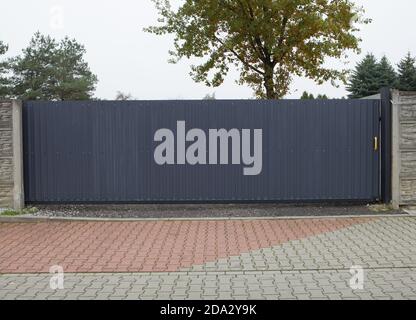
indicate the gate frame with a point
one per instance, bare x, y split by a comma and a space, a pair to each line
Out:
386, 145
383, 109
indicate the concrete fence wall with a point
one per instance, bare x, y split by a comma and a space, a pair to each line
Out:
11, 167
404, 148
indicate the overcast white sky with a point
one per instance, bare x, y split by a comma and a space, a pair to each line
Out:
127, 59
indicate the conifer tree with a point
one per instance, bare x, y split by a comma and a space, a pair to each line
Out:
4, 68
387, 74
407, 74
365, 78
52, 70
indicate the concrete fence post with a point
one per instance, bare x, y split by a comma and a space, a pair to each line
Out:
11, 155
18, 190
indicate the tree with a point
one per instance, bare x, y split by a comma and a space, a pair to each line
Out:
322, 97
364, 80
123, 96
269, 41
209, 96
4, 69
386, 73
51, 70
407, 74
307, 96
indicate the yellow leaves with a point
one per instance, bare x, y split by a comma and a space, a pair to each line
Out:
292, 36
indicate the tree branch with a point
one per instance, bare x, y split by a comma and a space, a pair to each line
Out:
282, 37
256, 45
238, 56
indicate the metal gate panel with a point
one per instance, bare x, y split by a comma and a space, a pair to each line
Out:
103, 151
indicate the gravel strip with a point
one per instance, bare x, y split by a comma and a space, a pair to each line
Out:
206, 210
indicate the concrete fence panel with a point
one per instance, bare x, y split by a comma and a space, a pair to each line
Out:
404, 148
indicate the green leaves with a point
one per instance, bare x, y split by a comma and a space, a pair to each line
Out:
268, 41
51, 70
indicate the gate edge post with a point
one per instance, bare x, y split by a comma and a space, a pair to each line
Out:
17, 138
386, 145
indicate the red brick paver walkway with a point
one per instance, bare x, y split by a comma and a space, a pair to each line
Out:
145, 246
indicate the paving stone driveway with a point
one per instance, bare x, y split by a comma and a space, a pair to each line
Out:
221, 259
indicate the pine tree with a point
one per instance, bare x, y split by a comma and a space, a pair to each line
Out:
4, 68
407, 74
51, 70
365, 78
305, 95
387, 74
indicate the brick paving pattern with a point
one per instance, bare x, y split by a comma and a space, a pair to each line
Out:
228, 259
144, 246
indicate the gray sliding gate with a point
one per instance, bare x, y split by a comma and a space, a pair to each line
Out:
175, 151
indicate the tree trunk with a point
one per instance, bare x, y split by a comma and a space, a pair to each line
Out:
269, 82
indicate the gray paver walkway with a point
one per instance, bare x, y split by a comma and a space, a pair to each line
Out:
390, 283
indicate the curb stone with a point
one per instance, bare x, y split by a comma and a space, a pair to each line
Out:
34, 219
